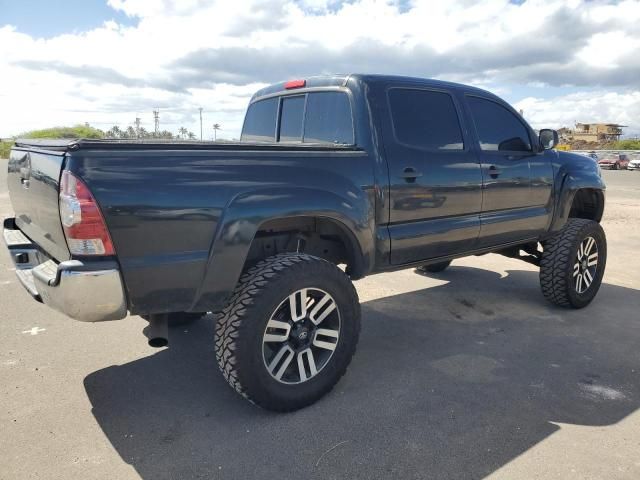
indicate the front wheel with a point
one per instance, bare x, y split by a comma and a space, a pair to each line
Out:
289, 331
573, 263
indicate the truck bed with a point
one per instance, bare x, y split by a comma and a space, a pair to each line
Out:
169, 206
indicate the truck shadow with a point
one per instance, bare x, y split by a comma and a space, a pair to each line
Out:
452, 381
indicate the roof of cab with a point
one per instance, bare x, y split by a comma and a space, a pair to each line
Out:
338, 80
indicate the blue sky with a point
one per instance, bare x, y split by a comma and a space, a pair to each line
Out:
45, 18
107, 62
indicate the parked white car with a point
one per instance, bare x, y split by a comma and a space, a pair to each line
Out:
634, 162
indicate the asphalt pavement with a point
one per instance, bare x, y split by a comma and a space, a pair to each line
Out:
465, 374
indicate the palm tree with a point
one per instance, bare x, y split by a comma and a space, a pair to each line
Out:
182, 132
191, 136
114, 132
131, 132
216, 127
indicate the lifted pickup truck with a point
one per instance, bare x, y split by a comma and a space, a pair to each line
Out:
334, 178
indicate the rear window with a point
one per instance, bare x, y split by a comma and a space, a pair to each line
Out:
260, 121
316, 117
328, 118
425, 119
291, 117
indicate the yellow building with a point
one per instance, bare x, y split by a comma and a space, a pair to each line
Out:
596, 132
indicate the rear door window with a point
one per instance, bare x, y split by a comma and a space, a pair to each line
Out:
425, 119
328, 118
498, 129
260, 121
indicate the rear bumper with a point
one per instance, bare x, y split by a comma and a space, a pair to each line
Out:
85, 291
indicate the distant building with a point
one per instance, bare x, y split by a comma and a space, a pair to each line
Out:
595, 132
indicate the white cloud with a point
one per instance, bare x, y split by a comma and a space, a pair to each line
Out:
183, 54
599, 106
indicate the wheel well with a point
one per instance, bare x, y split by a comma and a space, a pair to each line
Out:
587, 203
319, 236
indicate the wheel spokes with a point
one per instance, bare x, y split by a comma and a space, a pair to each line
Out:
585, 268
309, 366
322, 309
590, 242
282, 359
277, 331
298, 302
294, 348
328, 338
587, 278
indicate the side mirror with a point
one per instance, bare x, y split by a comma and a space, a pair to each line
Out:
548, 138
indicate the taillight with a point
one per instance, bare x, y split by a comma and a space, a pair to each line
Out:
294, 84
81, 219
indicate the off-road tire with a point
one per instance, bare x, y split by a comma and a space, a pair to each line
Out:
435, 267
558, 260
241, 325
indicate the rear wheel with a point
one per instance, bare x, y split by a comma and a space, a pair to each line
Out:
289, 331
435, 267
573, 263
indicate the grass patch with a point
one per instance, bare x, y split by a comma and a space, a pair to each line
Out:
79, 131
5, 149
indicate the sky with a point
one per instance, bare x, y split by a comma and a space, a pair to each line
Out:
107, 62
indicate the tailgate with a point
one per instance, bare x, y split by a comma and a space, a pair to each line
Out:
33, 180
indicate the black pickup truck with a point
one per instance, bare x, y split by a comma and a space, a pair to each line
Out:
335, 178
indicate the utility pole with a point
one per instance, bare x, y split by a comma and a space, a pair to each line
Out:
200, 123
156, 122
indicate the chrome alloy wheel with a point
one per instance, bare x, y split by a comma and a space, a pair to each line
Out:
586, 265
301, 336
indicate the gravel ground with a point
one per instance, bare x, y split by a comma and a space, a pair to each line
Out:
464, 374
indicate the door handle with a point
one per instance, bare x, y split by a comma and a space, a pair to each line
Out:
410, 174
494, 171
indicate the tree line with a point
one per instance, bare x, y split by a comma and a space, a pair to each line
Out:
132, 132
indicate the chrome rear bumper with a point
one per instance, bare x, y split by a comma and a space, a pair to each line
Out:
85, 291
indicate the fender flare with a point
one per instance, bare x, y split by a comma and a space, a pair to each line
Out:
570, 184
246, 212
